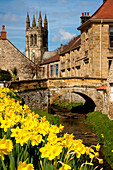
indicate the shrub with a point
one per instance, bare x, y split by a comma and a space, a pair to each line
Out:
5, 75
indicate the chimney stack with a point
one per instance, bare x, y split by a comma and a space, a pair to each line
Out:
3, 33
61, 47
85, 16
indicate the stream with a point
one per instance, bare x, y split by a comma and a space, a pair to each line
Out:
75, 123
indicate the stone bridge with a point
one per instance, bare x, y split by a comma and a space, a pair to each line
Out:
41, 93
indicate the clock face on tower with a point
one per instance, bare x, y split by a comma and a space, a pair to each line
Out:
33, 51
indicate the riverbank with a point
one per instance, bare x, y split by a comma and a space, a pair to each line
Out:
53, 119
65, 105
103, 127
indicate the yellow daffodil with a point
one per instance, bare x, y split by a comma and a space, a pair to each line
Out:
65, 167
25, 166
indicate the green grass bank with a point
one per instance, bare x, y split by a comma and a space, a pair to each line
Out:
103, 127
53, 119
66, 105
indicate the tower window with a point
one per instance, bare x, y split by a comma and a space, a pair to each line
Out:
31, 40
44, 40
35, 39
111, 36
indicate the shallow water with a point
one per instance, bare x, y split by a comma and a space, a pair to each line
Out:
75, 123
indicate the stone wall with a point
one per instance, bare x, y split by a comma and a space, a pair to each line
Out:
71, 98
36, 99
41, 94
109, 83
11, 57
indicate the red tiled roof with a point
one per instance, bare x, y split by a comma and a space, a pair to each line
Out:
74, 43
52, 59
105, 11
102, 87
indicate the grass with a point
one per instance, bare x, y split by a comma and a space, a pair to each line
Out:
53, 119
63, 104
103, 127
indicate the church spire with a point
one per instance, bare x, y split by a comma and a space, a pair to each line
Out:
27, 21
33, 23
45, 22
40, 20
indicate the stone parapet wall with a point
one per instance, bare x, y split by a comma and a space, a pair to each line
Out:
41, 94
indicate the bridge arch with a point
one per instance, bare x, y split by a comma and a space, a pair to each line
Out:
92, 98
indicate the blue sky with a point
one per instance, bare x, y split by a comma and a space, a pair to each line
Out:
63, 18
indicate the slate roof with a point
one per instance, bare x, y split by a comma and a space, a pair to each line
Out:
51, 59
105, 11
73, 44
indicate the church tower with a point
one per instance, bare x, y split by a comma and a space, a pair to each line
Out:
36, 39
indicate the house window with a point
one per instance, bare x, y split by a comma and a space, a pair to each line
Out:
111, 36
51, 70
56, 69
43, 71
111, 86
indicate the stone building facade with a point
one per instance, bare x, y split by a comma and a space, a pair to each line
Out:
51, 67
11, 57
36, 39
90, 54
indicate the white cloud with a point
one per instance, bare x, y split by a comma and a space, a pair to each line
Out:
62, 35
65, 36
8, 18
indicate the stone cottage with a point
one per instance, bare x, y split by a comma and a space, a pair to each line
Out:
11, 57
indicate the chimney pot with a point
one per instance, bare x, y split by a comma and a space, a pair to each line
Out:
61, 47
3, 27
87, 13
82, 14
3, 33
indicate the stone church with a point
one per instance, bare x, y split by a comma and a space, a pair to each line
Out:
36, 39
